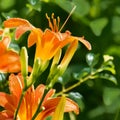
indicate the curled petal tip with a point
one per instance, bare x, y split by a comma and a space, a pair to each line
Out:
85, 42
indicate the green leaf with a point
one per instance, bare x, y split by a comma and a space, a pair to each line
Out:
34, 5
110, 95
14, 46
116, 25
82, 6
98, 25
108, 77
4, 82
77, 97
109, 66
3, 76
10, 14
84, 72
92, 59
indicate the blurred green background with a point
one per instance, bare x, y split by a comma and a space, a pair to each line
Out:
99, 22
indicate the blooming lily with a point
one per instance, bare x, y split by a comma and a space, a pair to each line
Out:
30, 101
49, 42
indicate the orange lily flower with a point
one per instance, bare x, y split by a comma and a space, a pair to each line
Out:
9, 59
48, 42
30, 101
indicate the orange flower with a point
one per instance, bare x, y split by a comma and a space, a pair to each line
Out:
30, 101
48, 42
9, 59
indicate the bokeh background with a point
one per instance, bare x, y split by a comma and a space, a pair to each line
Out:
99, 22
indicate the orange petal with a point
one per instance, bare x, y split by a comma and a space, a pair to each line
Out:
10, 62
6, 115
85, 42
7, 101
39, 93
21, 30
16, 84
51, 104
43, 114
69, 106
4, 44
33, 37
50, 93
16, 22
29, 100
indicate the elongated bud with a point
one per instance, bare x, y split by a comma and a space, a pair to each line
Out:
68, 56
59, 112
24, 61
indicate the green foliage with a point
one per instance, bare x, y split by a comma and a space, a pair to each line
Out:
98, 25
99, 22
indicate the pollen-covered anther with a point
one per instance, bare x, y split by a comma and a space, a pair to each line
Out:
54, 24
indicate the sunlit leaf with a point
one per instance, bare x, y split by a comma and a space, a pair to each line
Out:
92, 59
98, 25
109, 66
107, 58
108, 77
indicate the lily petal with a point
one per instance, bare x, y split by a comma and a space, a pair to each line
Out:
51, 104
7, 101
69, 106
49, 94
10, 62
16, 22
20, 31
39, 92
6, 115
33, 37
4, 44
16, 85
85, 42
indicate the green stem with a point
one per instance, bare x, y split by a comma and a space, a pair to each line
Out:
18, 107
39, 106
78, 83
